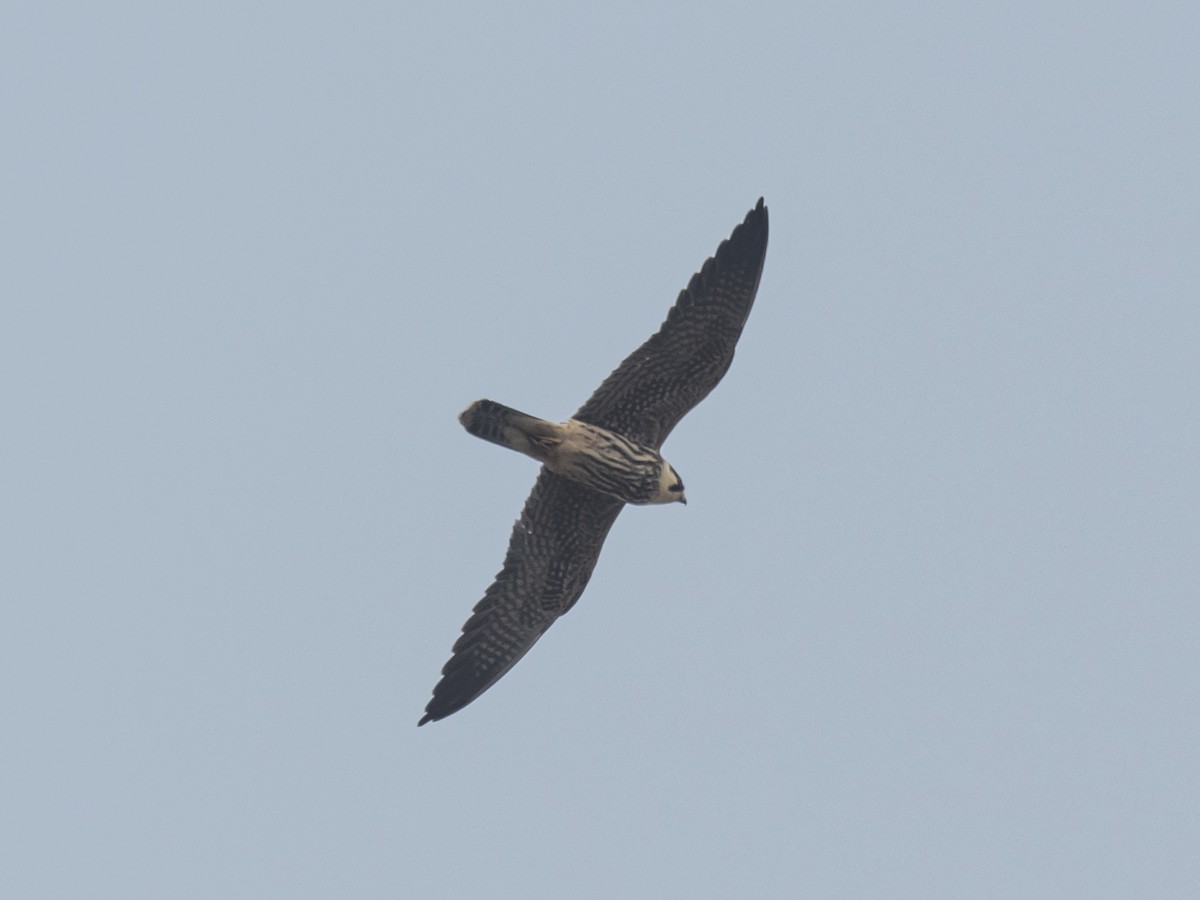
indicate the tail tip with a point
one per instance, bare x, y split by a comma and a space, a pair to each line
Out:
468, 413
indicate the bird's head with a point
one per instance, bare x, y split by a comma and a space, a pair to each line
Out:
670, 486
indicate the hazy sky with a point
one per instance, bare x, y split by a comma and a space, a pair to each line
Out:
929, 626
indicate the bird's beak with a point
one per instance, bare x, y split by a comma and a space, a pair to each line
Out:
683, 500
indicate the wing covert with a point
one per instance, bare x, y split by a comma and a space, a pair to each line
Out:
645, 397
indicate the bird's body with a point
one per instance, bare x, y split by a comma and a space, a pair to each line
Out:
603, 457
587, 454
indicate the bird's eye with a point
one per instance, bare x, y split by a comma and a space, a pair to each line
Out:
676, 487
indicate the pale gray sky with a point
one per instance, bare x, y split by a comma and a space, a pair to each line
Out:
929, 625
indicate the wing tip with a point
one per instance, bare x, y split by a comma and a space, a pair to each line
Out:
439, 707
446, 700
758, 213
747, 245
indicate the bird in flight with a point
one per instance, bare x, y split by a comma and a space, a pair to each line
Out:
603, 457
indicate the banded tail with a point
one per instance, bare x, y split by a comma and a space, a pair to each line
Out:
510, 428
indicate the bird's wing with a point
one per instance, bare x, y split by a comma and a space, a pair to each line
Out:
551, 554
656, 385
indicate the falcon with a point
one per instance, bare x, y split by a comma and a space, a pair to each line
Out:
603, 457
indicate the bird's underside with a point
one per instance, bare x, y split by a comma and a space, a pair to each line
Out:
586, 454
557, 539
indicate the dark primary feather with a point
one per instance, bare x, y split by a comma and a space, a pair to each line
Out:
551, 554
646, 396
